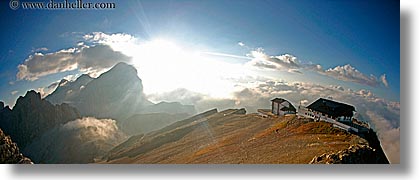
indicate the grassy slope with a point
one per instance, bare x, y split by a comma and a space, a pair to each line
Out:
236, 138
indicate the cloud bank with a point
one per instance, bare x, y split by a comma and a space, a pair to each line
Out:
78, 141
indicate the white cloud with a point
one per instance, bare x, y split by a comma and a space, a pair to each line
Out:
383, 80
45, 91
114, 40
285, 62
241, 44
40, 49
349, 73
290, 63
14, 92
80, 44
91, 59
78, 141
389, 134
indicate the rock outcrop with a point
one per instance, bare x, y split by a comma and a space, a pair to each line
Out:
32, 116
355, 154
9, 151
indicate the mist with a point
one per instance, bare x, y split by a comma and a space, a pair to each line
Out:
78, 141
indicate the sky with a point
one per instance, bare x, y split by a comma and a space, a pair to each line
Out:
217, 53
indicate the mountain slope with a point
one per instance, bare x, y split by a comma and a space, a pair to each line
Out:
233, 137
144, 123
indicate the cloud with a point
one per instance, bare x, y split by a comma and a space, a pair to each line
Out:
285, 62
241, 44
383, 80
178, 95
109, 39
45, 91
389, 134
78, 141
89, 59
40, 64
14, 92
349, 73
40, 49
202, 102
99, 57
290, 63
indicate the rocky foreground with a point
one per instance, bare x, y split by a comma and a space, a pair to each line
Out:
9, 152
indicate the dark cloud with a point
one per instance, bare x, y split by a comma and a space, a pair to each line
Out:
99, 57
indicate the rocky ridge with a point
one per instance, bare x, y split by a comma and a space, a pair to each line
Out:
32, 116
9, 151
355, 154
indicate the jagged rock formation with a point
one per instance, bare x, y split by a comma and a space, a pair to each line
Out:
355, 154
32, 116
9, 151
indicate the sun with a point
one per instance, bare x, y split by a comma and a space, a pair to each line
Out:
165, 65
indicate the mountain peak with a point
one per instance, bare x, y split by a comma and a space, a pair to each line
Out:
63, 82
123, 67
32, 95
84, 76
